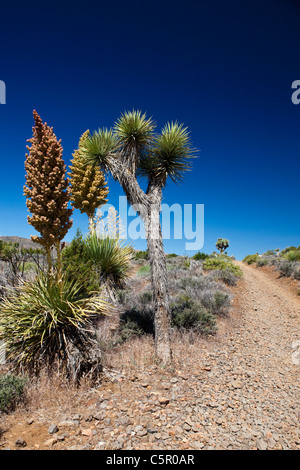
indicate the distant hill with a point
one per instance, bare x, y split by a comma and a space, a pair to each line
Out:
23, 242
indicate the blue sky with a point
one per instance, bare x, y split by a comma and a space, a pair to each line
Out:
224, 69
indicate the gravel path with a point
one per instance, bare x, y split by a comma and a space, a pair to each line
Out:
237, 391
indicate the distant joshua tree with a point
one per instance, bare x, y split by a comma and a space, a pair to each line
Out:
132, 149
222, 244
47, 190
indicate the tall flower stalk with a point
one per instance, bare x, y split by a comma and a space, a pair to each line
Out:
87, 183
46, 190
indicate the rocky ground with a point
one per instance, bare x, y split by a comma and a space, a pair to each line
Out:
237, 390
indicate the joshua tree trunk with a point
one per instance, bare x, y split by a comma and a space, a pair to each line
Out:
160, 290
148, 205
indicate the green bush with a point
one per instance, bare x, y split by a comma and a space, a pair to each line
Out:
141, 255
262, 262
191, 315
251, 259
200, 256
144, 270
11, 389
225, 276
171, 255
222, 265
287, 249
292, 255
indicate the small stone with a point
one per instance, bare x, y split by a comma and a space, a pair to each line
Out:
20, 442
236, 384
77, 447
198, 445
151, 430
52, 429
163, 400
134, 378
68, 423
87, 432
117, 445
262, 445
76, 417
51, 441
100, 445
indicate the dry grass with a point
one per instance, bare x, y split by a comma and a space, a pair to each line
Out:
139, 353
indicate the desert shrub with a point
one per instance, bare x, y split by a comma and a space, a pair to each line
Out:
271, 252
296, 272
287, 249
11, 390
292, 255
141, 255
144, 270
146, 297
47, 320
200, 256
225, 276
138, 314
286, 268
262, 262
189, 314
222, 265
136, 322
217, 302
205, 290
171, 255
251, 259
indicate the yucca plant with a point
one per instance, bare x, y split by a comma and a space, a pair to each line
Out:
110, 256
49, 320
134, 151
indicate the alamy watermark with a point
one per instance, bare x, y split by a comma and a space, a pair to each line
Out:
178, 222
296, 94
2, 92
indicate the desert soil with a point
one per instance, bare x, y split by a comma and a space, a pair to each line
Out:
236, 390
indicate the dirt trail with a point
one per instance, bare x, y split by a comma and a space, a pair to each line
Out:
238, 390
271, 319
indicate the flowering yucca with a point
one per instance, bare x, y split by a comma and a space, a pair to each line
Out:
47, 188
88, 186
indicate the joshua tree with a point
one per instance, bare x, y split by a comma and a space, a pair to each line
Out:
222, 244
131, 150
47, 189
88, 186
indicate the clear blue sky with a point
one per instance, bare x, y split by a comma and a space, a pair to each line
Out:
224, 69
